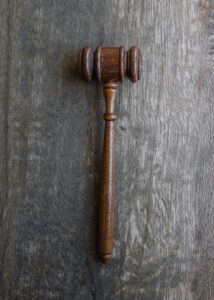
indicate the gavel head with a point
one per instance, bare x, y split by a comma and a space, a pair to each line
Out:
110, 64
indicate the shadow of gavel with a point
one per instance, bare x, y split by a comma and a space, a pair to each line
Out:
110, 66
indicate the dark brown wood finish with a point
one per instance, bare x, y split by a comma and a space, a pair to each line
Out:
109, 65
107, 201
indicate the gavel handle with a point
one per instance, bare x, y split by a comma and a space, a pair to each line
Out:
107, 200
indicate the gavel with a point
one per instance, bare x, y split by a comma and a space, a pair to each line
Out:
110, 66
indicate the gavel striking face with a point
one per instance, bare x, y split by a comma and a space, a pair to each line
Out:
110, 66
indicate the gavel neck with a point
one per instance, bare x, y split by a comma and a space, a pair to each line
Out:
110, 93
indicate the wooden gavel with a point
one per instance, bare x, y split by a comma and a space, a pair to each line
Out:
110, 66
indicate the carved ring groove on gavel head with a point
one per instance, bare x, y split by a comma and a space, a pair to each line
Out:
110, 66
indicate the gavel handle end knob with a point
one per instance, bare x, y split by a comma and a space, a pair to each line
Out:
105, 258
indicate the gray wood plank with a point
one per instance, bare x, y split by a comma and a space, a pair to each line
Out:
51, 148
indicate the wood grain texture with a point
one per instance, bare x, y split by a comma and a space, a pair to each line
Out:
110, 66
51, 149
107, 196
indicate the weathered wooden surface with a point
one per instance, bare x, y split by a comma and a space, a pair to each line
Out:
50, 151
